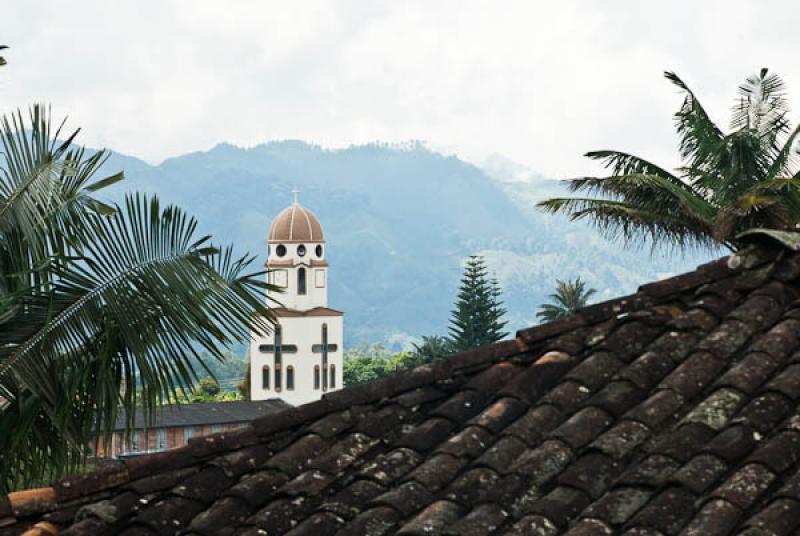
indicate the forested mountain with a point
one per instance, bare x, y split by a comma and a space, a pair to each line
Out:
399, 221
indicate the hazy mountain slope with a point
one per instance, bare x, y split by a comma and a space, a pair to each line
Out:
565, 249
399, 221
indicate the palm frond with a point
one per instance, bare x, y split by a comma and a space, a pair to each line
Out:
762, 106
621, 221
44, 192
782, 163
699, 135
620, 163
568, 298
650, 192
122, 325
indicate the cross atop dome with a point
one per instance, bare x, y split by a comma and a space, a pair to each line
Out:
295, 192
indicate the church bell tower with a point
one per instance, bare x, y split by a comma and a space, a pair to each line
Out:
302, 359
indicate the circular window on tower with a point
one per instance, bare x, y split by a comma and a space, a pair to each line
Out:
301, 250
319, 251
280, 251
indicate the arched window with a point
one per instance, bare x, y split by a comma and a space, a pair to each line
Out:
265, 377
332, 383
290, 378
316, 377
301, 281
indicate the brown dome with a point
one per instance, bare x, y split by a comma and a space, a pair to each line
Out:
296, 224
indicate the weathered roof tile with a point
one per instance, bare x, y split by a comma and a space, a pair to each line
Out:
407, 498
700, 473
745, 486
484, 519
500, 414
717, 517
618, 505
596, 370
668, 512
434, 519
781, 517
694, 374
592, 473
583, 427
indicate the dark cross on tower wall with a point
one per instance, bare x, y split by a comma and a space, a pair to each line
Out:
323, 349
278, 349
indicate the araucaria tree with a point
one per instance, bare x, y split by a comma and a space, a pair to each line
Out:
478, 314
568, 298
729, 181
102, 307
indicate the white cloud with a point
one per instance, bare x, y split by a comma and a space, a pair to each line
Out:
539, 82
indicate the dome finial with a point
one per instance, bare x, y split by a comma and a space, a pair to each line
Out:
295, 191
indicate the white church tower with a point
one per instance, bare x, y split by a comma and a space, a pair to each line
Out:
302, 359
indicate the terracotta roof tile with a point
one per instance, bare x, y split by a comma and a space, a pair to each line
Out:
744, 486
699, 473
670, 411
618, 505
780, 517
716, 518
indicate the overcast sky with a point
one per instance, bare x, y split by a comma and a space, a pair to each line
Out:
539, 82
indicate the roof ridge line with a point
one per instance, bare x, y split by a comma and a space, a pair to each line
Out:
291, 223
646, 295
28, 502
308, 221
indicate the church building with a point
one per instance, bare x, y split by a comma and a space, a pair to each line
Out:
302, 358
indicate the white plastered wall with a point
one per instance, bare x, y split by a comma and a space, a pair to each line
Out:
316, 294
303, 332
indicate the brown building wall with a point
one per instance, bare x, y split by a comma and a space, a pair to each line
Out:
175, 436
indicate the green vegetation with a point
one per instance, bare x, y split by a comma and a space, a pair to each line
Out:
243, 387
228, 371
477, 318
569, 297
209, 390
366, 363
102, 307
433, 347
728, 183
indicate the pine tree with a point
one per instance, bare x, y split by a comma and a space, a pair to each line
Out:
477, 318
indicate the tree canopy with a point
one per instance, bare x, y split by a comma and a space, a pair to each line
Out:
568, 298
729, 182
477, 317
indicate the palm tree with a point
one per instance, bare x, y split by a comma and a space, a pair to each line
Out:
729, 182
102, 307
568, 298
432, 348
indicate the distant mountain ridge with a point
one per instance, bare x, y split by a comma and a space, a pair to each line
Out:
399, 220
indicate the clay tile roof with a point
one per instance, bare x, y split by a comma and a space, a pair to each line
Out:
670, 411
295, 224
